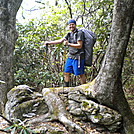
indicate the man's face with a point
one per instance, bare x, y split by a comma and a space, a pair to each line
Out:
72, 26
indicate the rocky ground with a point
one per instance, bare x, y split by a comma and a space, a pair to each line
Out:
3, 124
89, 127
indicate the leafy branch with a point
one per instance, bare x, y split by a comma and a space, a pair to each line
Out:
16, 126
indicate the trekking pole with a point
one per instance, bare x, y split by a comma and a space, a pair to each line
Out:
63, 71
46, 53
46, 67
63, 66
46, 48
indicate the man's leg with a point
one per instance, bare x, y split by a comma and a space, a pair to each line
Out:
82, 79
66, 79
80, 71
68, 69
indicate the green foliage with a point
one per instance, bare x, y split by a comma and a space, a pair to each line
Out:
17, 127
128, 68
20, 129
39, 68
33, 65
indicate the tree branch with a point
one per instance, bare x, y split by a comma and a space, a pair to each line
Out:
69, 7
11, 123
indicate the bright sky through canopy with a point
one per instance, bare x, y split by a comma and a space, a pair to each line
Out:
29, 9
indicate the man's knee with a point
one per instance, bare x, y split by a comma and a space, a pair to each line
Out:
66, 74
66, 79
82, 76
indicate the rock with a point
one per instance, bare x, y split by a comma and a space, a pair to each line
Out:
103, 115
87, 109
24, 103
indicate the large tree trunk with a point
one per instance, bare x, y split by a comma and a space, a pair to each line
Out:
8, 36
108, 85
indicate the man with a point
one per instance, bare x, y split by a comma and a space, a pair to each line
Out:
75, 61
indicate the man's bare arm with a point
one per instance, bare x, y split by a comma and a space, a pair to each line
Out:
77, 45
54, 42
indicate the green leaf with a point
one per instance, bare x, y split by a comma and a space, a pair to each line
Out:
30, 130
13, 131
10, 127
21, 132
26, 132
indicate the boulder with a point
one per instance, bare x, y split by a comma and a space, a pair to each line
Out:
24, 103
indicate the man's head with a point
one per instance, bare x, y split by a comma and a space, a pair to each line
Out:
72, 24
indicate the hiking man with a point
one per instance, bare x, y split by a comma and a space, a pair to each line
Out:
75, 61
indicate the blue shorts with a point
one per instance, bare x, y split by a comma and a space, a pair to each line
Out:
71, 66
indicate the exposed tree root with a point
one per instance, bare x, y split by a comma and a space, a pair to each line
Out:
57, 112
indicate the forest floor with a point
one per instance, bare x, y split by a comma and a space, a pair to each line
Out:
90, 128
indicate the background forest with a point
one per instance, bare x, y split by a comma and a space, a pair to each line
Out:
37, 66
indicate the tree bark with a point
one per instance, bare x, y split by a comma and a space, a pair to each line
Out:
8, 36
108, 84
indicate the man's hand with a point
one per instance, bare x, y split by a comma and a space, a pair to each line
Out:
46, 43
66, 42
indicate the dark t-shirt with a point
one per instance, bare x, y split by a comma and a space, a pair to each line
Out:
73, 38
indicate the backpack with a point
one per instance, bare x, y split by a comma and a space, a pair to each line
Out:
89, 41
